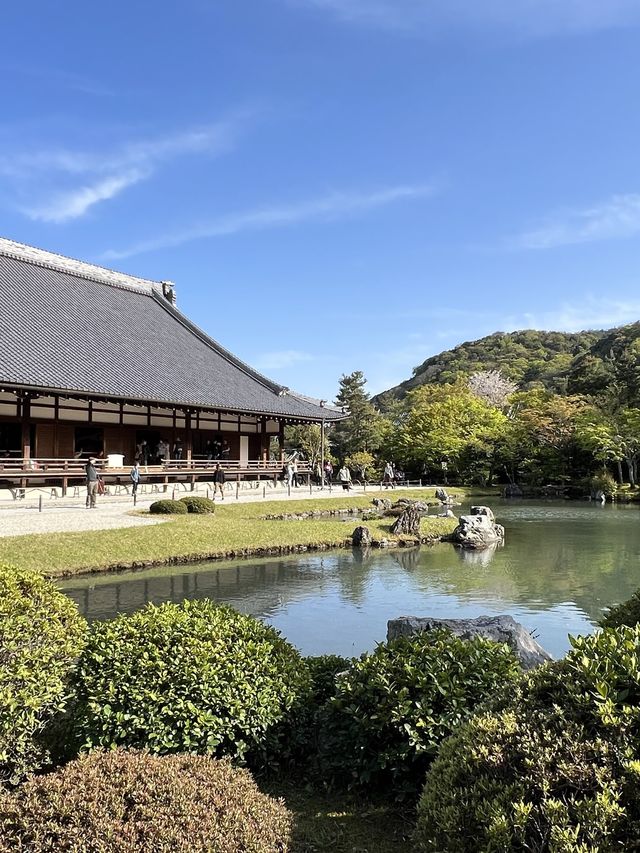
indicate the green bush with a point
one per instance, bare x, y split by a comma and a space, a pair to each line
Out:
120, 802
167, 507
41, 634
189, 677
295, 742
392, 708
603, 482
627, 613
200, 506
556, 768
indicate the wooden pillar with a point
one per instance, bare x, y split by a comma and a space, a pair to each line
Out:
26, 426
264, 441
188, 439
281, 440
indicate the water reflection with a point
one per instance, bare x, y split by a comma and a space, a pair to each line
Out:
561, 565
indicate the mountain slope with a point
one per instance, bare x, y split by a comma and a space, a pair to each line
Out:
529, 358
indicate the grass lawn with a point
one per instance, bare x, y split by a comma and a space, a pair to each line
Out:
234, 531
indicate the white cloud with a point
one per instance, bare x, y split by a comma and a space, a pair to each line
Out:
337, 205
524, 17
590, 313
76, 203
280, 360
615, 218
104, 174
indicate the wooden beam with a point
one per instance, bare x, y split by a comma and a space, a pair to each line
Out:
25, 409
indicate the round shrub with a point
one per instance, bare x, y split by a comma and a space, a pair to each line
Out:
41, 634
189, 677
556, 768
627, 613
392, 708
168, 508
200, 506
122, 802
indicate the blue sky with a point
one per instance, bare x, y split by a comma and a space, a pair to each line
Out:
335, 184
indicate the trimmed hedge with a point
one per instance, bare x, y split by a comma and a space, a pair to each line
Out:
41, 635
167, 507
556, 768
120, 802
190, 677
627, 613
200, 506
392, 708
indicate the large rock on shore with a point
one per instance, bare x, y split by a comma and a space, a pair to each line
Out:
500, 629
477, 530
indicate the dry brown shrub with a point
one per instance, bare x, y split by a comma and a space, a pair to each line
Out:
121, 802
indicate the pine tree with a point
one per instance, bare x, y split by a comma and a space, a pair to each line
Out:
361, 431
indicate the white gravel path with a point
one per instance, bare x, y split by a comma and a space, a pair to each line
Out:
19, 518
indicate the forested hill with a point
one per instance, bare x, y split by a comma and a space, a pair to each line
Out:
529, 358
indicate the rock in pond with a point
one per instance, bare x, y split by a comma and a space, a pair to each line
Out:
477, 530
408, 522
500, 629
361, 537
381, 503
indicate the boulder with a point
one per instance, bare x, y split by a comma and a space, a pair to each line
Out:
500, 629
408, 522
403, 503
442, 495
361, 537
477, 530
512, 490
381, 503
483, 510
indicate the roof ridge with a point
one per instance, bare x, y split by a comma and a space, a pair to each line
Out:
63, 263
276, 387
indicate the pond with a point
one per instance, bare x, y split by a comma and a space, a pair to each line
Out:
562, 564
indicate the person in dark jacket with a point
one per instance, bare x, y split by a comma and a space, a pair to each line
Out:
218, 481
135, 477
91, 479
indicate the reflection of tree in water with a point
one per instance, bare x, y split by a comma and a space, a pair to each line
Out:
477, 556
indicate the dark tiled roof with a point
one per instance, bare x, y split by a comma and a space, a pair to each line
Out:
70, 326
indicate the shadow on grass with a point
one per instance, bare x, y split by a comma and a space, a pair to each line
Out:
344, 823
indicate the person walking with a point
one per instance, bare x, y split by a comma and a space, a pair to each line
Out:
344, 477
389, 476
177, 449
294, 477
218, 481
91, 480
328, 472
135, 477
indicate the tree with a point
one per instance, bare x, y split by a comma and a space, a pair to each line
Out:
308, 439
361, 462
492, 387
448, 423
361, 430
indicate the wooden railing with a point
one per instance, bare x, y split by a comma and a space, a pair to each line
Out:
18, 474
41, 466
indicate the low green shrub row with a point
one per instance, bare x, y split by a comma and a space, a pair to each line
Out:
190, 503
168, 507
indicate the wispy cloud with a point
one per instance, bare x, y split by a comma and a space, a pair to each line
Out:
76, 180
616, 218
76, 203
591, 313
281, 359
524, 17
337, 205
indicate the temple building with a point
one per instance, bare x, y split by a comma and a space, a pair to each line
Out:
96, 362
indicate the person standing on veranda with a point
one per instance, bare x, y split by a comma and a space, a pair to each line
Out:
91, 480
